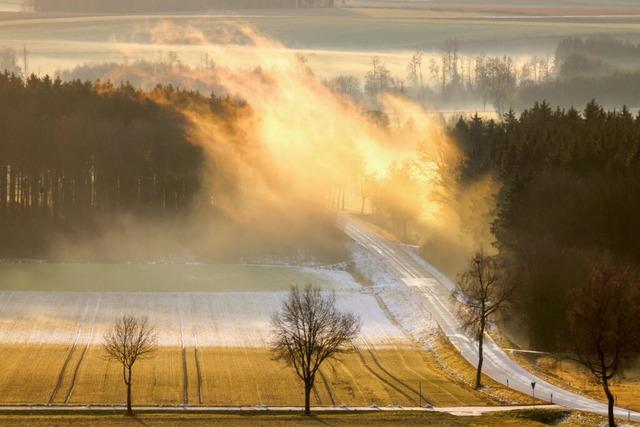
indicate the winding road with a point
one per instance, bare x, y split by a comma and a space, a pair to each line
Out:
434, 291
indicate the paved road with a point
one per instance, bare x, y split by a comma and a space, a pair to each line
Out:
434, 290
72, 409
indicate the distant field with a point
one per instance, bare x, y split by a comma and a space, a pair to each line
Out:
161, 277
335, 40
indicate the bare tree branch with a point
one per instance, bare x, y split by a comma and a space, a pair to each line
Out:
129, 340
482, 293
309, 329
603, 319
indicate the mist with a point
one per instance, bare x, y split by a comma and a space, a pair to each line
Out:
276, 159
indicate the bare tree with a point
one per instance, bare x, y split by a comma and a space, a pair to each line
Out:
603, 320
310, 329
496, 81
414, 71
368, 185
129, 340
483, 293
9, 60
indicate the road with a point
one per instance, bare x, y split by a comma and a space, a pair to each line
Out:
433, 289
470, 411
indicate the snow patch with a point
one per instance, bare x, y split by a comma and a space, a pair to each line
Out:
401, 302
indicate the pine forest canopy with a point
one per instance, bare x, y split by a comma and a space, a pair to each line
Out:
570, 190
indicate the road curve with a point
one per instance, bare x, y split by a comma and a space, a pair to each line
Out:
433, 289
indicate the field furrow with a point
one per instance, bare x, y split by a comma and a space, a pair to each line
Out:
213, 347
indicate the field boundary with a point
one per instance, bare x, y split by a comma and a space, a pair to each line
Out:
114, 409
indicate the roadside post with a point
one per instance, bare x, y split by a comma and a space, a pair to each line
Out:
533, 391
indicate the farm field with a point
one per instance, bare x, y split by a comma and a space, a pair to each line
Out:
158, 277
57, 374
344, 43
213, 342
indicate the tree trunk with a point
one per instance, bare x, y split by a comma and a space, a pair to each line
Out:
610, 400
307, 399
129, 409
480, 357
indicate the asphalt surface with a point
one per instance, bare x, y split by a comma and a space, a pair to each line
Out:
105, 410
433, 289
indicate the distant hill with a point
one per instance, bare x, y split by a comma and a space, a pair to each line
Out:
154, 6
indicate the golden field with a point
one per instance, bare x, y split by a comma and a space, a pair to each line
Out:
215, 376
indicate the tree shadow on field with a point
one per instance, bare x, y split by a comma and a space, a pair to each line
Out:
138, 420
316, 418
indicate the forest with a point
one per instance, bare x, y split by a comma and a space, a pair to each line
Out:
71, 152
570, 191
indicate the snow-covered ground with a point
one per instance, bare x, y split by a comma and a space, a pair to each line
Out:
217, 318
396, 263
394, 296
234, 310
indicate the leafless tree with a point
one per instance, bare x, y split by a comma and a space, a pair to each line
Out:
9, 60
310, 329
129, 340
368, 185
603, 323
482, 292
414, 71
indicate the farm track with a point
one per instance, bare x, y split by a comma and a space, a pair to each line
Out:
353, 379
185, 377
376, 360
75, 374
61, 374
185, 370
327, 386
74, 377
316, 395
72, 350
381, 378
427, 381
198, 370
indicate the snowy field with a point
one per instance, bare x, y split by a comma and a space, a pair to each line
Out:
197, 305
218, 318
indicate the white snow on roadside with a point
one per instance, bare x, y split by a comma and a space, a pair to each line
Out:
441, 278
402, 304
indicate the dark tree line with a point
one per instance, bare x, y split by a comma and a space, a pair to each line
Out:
599, 66
571, 188
604, 48
72, 151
